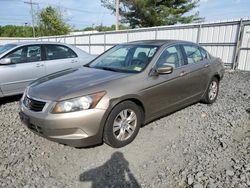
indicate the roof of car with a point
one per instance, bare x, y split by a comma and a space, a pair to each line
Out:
34, 42
139, 42
156, 42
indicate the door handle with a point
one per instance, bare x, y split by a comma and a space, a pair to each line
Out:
183, 73
74, 61
39, 65
207, 65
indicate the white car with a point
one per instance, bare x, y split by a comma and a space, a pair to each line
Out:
24, 62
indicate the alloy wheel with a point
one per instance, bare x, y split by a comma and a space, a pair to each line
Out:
124, 124
213, 90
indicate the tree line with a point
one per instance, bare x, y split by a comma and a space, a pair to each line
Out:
133, 13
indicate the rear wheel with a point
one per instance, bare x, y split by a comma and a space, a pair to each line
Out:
212, 91
122, 125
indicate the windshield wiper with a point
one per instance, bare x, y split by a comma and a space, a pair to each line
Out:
115, 69
108, 69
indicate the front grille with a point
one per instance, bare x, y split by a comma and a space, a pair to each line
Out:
33, 105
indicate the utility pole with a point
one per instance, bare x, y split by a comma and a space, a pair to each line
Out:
117, 15
32, 15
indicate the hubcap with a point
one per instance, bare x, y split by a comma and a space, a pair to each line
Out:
213, 90
124, 124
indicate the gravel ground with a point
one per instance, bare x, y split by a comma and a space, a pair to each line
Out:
199, 146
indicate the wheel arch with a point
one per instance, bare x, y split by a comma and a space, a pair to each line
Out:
114, 102
217, 76
134, 98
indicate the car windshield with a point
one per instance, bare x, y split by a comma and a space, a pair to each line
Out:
126, 58
6, 47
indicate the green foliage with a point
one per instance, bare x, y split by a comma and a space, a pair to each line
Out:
149, 13
102, 28
88, 29
109, 28
15, 31
51, 22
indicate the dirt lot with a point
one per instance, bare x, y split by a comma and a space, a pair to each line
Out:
199, 146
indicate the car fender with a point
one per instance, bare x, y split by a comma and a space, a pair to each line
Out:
113, 103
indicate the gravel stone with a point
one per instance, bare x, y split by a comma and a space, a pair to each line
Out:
198, 185
230, 172
198, 146
190, 180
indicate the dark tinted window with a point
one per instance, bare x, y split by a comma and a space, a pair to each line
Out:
171, 56
193, 54
58, 52
25, 54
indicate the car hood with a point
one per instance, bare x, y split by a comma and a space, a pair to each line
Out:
72, 83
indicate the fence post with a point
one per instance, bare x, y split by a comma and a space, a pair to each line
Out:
127, 36
104, 40
198, 34
238, 44
156, 33
89, 43
74, 40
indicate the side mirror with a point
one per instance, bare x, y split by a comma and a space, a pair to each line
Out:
165, 69
5, 61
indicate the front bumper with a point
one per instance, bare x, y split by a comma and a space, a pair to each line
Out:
77, 129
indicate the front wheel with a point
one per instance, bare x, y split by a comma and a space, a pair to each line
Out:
212, 91
123, 124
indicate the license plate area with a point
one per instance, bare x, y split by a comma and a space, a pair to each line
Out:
26, 120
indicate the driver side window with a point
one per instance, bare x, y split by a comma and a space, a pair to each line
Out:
171, 56
25, 54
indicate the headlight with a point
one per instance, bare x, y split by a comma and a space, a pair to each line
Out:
77, 104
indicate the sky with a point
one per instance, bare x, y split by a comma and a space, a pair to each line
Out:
84, 13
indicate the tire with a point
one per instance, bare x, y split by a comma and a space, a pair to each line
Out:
120, 129
211, 92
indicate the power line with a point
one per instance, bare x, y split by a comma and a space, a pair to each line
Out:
74, 9
32, 15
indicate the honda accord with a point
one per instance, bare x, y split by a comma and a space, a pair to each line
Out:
129, 85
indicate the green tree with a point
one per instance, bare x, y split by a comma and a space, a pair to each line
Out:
102, 28
15, 31
149, 13
51, 22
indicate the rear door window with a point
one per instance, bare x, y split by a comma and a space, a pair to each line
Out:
193, 54
53, 52
204, 53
